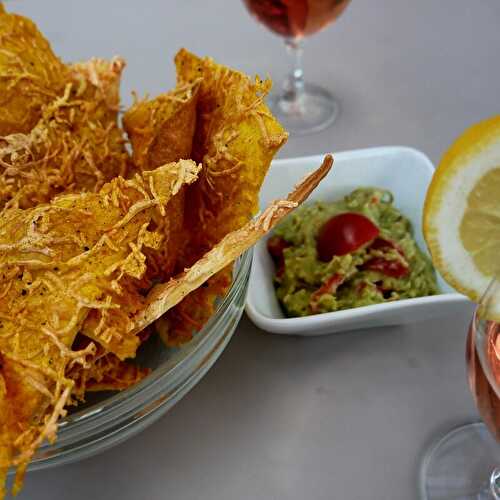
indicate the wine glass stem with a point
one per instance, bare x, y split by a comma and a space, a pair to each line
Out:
495, 484
294, 84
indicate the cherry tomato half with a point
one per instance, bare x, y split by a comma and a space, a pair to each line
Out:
343, 234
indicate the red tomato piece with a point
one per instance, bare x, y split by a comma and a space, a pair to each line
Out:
329, 286
275, 246
392, 268
343, 234
382, 243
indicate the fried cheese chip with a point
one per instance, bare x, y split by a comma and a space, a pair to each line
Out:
161, 130
79, 144
112, 374
31, 75
165, 296
106, 326
236, 138
75, 146
106, 372
65, 267
5, 435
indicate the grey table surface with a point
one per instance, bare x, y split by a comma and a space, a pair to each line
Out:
338, 417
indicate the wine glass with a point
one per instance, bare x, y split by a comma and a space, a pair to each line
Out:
466, 462
301, 107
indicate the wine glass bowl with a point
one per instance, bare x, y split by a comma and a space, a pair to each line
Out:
301, 107
296, 19
466, 462
486, 326
483, 360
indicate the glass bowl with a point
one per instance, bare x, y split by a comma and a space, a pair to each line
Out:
118, 416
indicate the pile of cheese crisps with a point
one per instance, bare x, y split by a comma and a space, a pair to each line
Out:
97, 243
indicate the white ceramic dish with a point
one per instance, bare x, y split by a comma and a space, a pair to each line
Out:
404, 171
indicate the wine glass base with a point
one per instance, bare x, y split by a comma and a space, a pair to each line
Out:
460, 464
315, 110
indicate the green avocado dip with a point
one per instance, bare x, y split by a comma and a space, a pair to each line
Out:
350, 253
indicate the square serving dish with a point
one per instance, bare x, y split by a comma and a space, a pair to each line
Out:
406, 172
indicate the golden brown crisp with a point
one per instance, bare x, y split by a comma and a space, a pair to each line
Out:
106, 372
31, 75
161, 130
65, 267
75, 146
236, 138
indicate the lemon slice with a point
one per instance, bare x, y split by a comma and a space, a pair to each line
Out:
462, 211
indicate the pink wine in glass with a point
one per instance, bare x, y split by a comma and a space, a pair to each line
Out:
487, 400
296, 18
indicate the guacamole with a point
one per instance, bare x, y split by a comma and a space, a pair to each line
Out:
316, 272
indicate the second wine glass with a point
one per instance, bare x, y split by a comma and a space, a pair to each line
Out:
301, 107
465, 464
